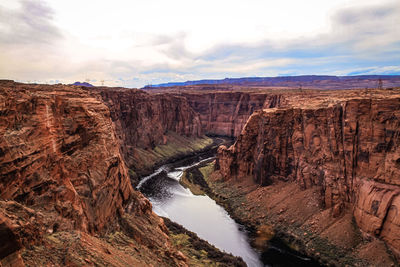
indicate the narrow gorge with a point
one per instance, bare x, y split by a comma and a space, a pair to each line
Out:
314, 170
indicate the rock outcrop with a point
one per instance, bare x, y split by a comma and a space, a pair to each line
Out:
19, 227
349, 147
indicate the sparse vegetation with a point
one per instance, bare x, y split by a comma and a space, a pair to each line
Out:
195, 178
186, 181
200, 252
207, 170
177, 146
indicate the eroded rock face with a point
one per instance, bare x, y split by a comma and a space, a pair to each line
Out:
349, 148
143, 120
376, 211
64, 182
59, 151
225, 113
19, 227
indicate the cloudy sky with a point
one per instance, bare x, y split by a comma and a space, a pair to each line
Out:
134, 43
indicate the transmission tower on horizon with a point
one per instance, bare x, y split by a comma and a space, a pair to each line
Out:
380, 83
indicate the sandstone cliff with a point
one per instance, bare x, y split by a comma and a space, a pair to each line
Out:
143, 122
64, 183
347, 147
225, 113
58, 145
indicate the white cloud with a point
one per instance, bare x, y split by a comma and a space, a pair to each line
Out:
159, 40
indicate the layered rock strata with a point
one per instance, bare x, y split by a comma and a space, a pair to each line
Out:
58, 146
63, 178
349, 148
225, 113
144, 122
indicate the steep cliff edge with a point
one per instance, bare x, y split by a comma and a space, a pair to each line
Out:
343, 150
58, 145
146, 124
65, 195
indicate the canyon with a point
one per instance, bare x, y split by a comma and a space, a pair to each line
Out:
65, 189
317, 169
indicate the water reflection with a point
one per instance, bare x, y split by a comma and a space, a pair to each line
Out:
199, 214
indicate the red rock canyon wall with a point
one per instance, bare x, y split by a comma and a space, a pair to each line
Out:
58, 146
225, 113
143, 120
350, 148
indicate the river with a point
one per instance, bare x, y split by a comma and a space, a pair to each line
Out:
199, 214
211, 222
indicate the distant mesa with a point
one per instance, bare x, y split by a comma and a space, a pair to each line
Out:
83, 84
306, 81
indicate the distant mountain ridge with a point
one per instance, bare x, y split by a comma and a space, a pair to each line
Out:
83, 84
286, 80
